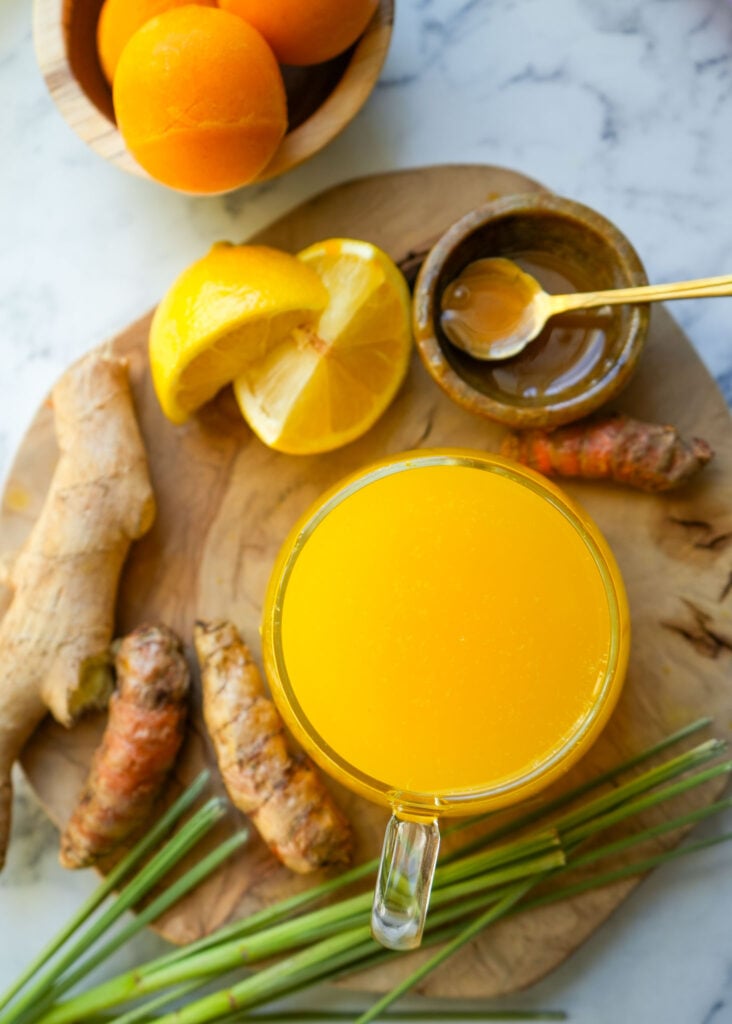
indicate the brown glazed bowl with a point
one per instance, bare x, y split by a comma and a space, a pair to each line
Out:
321, 99
579, 245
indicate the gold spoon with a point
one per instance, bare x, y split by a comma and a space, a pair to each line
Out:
518, 308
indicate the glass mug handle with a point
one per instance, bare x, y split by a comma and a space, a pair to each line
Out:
404, 883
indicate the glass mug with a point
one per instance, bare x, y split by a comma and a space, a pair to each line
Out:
445, 633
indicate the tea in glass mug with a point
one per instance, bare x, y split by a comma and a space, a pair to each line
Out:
445, 633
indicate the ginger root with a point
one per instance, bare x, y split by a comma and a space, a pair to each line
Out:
649, 456
56, 632
147, 717
282, 793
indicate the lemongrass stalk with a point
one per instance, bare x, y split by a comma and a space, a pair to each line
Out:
323, 923
242, 995
508, 853
314, 1016
193, 877
634, 807
286, 908
268, 982
494, 913
316, 925
565, 799
142, 1013
499, 878
640, 867
269, 916
679, 765
118, 873
159, 865
287, 935
342, 915
511, 901
621, 845
479, 902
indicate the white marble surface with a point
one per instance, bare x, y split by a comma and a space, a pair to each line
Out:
623, 104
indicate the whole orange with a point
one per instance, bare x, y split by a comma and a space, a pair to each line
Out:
199, 100
305, 31
120, 19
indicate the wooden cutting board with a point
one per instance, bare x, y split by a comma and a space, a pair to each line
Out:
226, 502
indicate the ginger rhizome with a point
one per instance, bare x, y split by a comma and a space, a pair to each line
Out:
56, 632
649, 456
281, 792
146, 726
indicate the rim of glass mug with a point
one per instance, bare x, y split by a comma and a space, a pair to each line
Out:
427, 806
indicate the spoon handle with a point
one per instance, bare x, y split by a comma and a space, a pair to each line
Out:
704, 287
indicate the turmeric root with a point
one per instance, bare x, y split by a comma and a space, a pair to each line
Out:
281, 793
648, 456
56, 631
147, 715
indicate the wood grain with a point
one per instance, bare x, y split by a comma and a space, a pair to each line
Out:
226, 503
321, 99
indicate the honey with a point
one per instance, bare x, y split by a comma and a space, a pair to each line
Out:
565, 357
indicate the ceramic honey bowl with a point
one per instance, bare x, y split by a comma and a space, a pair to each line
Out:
581, 360
322, 98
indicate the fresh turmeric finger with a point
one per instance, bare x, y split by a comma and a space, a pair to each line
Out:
649, 456
282, 793
147, 715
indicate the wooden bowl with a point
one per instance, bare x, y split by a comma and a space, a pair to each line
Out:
322, 99
570, 240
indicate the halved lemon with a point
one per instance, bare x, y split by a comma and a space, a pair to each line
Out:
224, 312
327, 382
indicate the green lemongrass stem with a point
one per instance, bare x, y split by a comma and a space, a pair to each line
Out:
157, 867
269, 916
119, 872
312, 926
279, 939
497, 879
685, 762
142, 1013
307, 1016
508, 853
621, 845
193, 877
565, 799
494, 913
287, 908
313, 961
308, 965
618, 874
504, 854
316, 925
508, 905
512, 900
479, 902
632, 808
377, 956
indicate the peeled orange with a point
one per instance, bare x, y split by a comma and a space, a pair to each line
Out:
199, 99
305, 31
120, 19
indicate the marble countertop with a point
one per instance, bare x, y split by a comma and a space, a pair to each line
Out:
626, 106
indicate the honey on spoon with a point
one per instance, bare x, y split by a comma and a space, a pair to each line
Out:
494, 309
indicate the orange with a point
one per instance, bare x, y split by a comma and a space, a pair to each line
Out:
120, 19
305, 31
199, 100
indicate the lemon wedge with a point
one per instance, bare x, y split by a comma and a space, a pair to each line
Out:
325, 383
226, 311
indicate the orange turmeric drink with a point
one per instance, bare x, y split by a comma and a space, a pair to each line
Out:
446, 632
